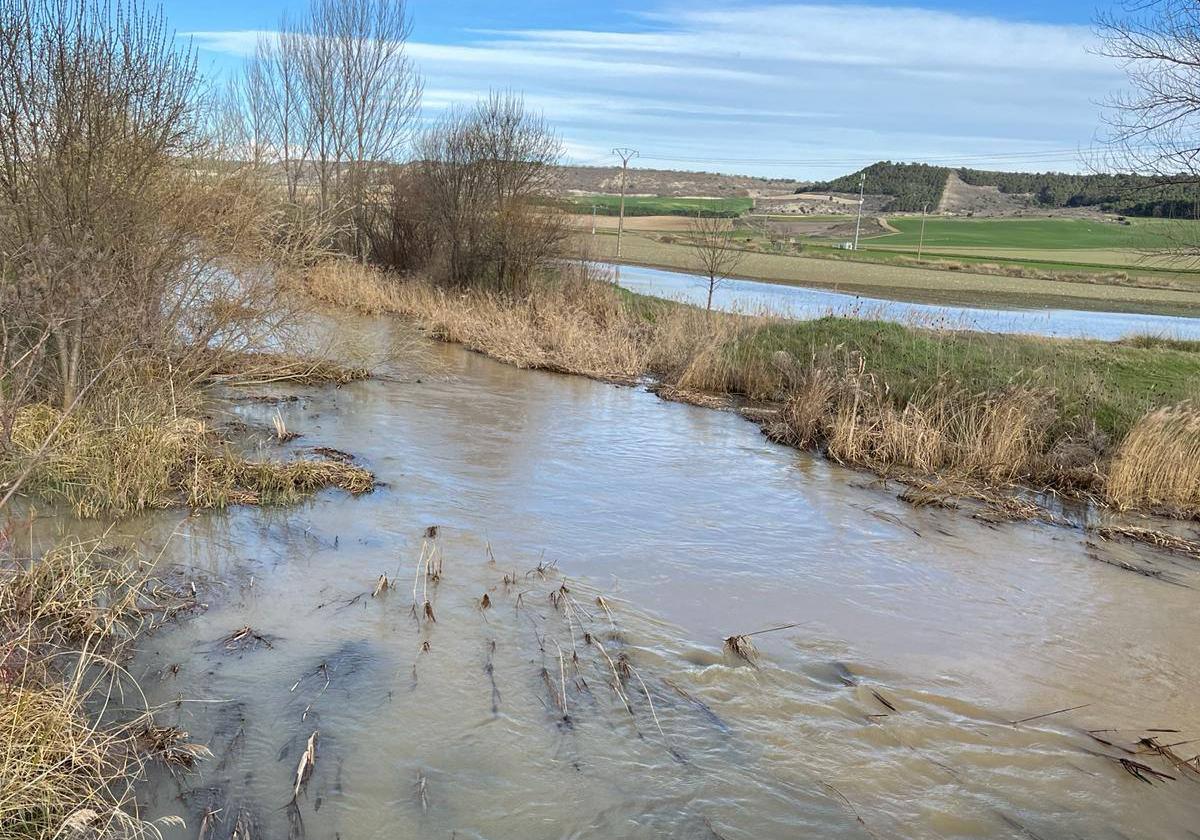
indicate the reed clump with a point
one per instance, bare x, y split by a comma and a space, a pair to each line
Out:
130, 462
1157, 465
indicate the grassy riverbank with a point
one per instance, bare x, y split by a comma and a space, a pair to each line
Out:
1064, 415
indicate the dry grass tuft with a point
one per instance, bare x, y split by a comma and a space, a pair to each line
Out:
1158, 463
149, 462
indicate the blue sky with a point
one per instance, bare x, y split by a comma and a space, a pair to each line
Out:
791, 89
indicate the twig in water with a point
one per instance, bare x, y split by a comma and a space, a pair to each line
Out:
1049, 714
422, 787
743, 648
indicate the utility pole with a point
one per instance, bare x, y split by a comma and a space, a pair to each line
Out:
625, 155
593, 221
862, 186
921, 246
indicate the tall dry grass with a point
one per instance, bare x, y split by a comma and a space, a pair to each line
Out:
65, 619
998, 438
1158, 463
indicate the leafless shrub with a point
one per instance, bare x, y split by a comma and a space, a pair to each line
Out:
117, 225
478, 190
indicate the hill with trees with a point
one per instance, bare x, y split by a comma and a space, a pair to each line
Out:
911, 186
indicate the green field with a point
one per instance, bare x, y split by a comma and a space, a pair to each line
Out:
1037, 234
639, 205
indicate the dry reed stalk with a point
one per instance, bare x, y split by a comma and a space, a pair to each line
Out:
381, 585
308, 761
742, 644
281, 430
616, 681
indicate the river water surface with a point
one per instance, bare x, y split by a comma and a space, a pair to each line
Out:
887, 713
751, 296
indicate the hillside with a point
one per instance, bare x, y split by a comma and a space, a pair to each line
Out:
911, 186
664, 182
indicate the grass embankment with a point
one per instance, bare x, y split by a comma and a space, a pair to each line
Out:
1075, 416
957, 284
66, 620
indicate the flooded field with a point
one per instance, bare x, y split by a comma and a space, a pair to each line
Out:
752, 296
594, 547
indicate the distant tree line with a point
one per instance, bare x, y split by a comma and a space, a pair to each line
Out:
911, 186
1133, 195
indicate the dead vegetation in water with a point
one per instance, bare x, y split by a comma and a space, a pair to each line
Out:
741, 645
272, 368
1157, 539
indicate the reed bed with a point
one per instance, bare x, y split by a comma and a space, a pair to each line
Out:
1083, 417
132, 462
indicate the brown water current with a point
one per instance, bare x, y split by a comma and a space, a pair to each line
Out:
887, 713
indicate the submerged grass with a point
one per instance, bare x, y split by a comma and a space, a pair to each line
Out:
1072, 415
135, 462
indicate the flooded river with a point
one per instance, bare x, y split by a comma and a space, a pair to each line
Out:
801, 302
886, 713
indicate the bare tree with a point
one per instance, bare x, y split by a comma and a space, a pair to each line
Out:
1153, 129
115, 219
335, 94
713, 251
483, 178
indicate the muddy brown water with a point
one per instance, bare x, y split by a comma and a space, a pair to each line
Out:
887, 713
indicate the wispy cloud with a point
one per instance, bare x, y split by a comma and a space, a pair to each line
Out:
796, 89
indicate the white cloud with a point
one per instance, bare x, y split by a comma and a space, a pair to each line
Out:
799, 89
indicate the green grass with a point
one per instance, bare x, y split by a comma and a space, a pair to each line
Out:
609, 205
1113, 384
1039, 234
